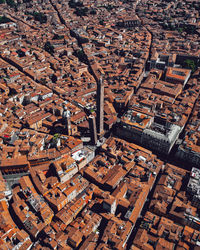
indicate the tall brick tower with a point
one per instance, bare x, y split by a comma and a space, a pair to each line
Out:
100, 106
67, 118
93, 130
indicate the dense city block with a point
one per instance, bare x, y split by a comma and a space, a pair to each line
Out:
100, 124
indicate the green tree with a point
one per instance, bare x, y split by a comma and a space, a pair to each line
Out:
180, 30
190, 64
56, 136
